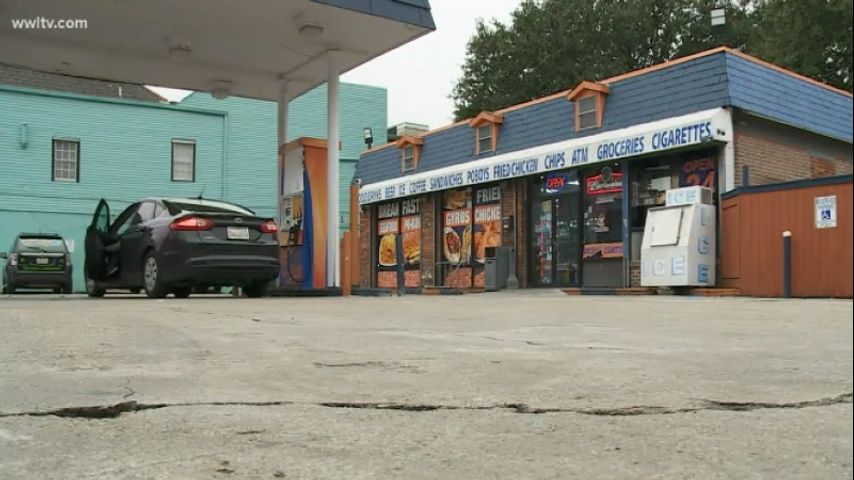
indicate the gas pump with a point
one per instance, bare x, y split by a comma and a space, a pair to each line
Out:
302, 214
291, 222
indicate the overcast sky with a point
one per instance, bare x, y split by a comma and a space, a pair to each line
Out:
419, 75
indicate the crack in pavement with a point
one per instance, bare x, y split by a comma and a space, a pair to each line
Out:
131, 391
115, 410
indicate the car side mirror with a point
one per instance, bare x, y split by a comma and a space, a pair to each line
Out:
3, 255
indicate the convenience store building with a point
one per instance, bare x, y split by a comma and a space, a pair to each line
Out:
567, 179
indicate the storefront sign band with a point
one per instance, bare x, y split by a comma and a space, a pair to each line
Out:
662, 135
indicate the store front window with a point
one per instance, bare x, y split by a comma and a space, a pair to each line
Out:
555, 234
487, 228
399, 219
471, 222
602, 253
388, 227
649, 184
651, 179
410, 228
455, 238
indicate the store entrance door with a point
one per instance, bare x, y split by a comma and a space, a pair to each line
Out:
555, 231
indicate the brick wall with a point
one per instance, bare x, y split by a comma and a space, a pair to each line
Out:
508, 189
635, 274
777, 153
769, 161
512, 194
365, 256
522, 221
388, 279
428, 240
820, 167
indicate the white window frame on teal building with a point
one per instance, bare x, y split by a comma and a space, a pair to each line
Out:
65, 162
183, 174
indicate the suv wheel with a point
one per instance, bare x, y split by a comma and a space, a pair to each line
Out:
152, 277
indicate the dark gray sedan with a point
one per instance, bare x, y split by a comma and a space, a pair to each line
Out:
165, 246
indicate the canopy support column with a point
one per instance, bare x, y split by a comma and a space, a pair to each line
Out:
282, 139
333, 274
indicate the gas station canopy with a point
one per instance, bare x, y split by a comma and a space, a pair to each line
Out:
228, 47
264, 49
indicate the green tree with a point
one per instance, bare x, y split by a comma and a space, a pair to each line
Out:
551, 45
812, 37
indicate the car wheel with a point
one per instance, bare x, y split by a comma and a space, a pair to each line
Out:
66, 289
152, 278
182, 292
93, 288
57, 290
256, 290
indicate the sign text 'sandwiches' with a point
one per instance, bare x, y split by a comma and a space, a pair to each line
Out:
653, 137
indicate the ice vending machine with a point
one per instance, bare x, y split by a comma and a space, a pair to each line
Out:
678, 248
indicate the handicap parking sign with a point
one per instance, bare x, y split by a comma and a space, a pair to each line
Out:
825, 212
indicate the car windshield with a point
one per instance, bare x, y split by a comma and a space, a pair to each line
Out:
208, 207
41, 245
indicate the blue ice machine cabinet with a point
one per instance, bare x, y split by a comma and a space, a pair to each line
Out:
678, 248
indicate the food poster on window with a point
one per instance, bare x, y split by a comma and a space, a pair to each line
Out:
456, 226
410, 228
388, 223
487, 221
456, 236
487, 228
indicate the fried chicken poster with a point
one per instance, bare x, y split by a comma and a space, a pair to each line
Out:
487, 222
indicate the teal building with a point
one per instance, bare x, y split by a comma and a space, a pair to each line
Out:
66, 142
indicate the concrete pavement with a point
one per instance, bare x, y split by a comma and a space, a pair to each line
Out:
530, 384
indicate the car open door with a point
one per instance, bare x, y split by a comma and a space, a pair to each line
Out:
96, 239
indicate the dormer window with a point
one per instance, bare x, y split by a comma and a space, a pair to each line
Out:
484, 138
486, 127
589, 100
410, 152
587, 113
408, 159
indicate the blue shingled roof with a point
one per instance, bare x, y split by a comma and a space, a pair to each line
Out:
788, 99
719, 79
